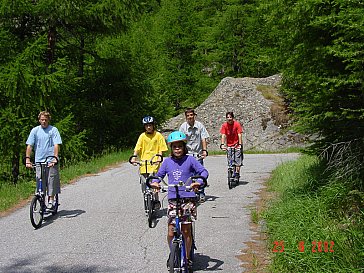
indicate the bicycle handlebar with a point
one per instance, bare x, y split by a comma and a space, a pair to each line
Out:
225, 147
198, 155
180, 183
46, 161
151, 162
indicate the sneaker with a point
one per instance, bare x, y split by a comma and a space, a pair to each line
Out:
189, 265
202, 197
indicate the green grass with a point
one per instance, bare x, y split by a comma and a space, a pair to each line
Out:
270, 93
11, 195
310, 210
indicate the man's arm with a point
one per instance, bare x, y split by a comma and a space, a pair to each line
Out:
55, 153
28, 152
240, 137
223, 139
204, 147
56, 150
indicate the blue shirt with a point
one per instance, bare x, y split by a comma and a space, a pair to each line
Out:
180, 170
43, 141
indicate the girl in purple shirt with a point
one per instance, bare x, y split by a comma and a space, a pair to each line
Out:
179, 167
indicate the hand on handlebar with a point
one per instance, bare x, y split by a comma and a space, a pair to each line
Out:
132, 160
195, 186
204, 154
52, 163
155, 185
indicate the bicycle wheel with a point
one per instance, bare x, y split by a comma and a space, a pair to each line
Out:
230, 178
150, 209
36, 211
56, 204
174, 262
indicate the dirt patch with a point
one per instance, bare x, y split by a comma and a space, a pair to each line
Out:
19, 205
256, 256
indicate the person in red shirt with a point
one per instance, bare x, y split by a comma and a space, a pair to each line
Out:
231, 136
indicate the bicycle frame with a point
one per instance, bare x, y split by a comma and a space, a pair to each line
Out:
148, 193
39, 196
178, 238
230, 155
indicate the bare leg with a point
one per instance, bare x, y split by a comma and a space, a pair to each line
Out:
186, 231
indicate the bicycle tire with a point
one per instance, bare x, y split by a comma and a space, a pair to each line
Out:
174, 261
36, 211
55, 209
230, 179
150, 210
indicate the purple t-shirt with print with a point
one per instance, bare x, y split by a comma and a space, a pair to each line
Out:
180, 170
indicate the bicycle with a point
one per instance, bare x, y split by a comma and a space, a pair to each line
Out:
199, 158
149, 195
177, 262
233, 175
38, 207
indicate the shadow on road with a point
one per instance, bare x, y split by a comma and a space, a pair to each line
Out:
210, 198
30, 265
243, 182
62, 214
157, 215
206, 263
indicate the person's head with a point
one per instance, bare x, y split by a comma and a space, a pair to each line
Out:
230, 117
149, 124
44, 118
190, 116
177, 140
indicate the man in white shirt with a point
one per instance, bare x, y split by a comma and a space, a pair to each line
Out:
197, 136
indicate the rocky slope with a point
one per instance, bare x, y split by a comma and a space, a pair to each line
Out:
264, 120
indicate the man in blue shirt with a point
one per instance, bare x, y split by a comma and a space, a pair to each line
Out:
46, 140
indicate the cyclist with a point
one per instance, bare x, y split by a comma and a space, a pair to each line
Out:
46, 141
179, 167
197, 135
150, 143
231, 136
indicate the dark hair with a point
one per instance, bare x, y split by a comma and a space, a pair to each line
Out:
229, 114
190, 110
185, 151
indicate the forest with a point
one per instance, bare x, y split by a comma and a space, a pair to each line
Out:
99, 66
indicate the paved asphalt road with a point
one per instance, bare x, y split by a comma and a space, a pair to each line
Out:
101, 225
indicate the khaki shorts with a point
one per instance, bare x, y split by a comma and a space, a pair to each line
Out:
236, 155
52, 182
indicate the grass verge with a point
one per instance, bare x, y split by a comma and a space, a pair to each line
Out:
314, 225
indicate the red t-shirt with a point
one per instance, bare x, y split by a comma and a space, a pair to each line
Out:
231, 131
